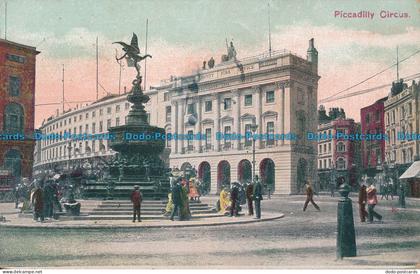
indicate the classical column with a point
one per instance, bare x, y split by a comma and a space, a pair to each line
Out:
174, 126
237, 116
181, 126
259, 114
198, 129
217, 121
281, 116
287, 109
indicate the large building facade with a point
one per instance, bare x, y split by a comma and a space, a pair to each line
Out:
402, 114
17, 102
276, 92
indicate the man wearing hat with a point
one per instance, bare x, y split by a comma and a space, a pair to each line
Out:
136, 199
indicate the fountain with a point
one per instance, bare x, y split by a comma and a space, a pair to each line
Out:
137, 161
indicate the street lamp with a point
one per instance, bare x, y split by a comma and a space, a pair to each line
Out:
68, 163
254, 127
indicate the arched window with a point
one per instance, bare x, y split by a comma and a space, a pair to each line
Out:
13, 118
341, 147
341, 163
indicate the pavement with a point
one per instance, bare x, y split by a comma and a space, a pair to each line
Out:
298, 240
16, 220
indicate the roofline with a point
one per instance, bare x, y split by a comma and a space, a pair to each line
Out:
22, 46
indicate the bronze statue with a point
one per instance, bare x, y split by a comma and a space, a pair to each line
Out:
132, 53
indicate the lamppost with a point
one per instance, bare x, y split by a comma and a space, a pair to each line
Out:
69, 149
254, 128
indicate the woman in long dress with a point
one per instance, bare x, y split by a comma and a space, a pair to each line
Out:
224, 202
185, 208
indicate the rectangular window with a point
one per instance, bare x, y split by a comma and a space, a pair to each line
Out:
270, 133
191, 108
166, 96
80, 129
93, 114
117, 108
101, 126
227, 132
248, 100
208, 138
87, 115
14, 86
190, 140
168, 113
80, 117
86, 128
117, 121
93, 128
108, 110
248, 131
127, 106
15, 58
208, 105
269, 96
108, 123
227, 103
101, 112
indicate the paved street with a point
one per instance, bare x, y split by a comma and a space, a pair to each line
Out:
299, 240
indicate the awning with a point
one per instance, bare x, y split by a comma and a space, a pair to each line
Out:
412, 172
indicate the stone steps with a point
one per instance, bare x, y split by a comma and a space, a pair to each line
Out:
129, 217
151, 210
143, 212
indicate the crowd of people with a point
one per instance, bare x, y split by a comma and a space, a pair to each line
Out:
231, 198
45, 197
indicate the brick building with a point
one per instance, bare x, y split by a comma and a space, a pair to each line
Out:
17, 102
372, 120
337, 157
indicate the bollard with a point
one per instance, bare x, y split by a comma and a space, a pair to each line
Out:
346, 238
401, 196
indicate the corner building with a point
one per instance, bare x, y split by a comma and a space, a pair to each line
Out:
17, 103
277, 91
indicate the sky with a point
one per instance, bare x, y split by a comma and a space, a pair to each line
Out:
184, 33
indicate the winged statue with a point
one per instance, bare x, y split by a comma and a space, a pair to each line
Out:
132, 53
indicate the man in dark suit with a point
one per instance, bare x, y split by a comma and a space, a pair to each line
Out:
136, 199
310, 197
249, 193
257, 197
176, 199
234, 195
362, 203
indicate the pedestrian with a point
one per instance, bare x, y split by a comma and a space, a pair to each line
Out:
310, 196
234, 195
362, 203
48, 199
136, 199
249, 192
176, 200
17, 195
332, 188
372, 201
37, 200
257, 197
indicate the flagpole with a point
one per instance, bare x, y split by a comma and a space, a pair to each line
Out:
97, 70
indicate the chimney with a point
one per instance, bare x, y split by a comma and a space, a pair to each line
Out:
312, 56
